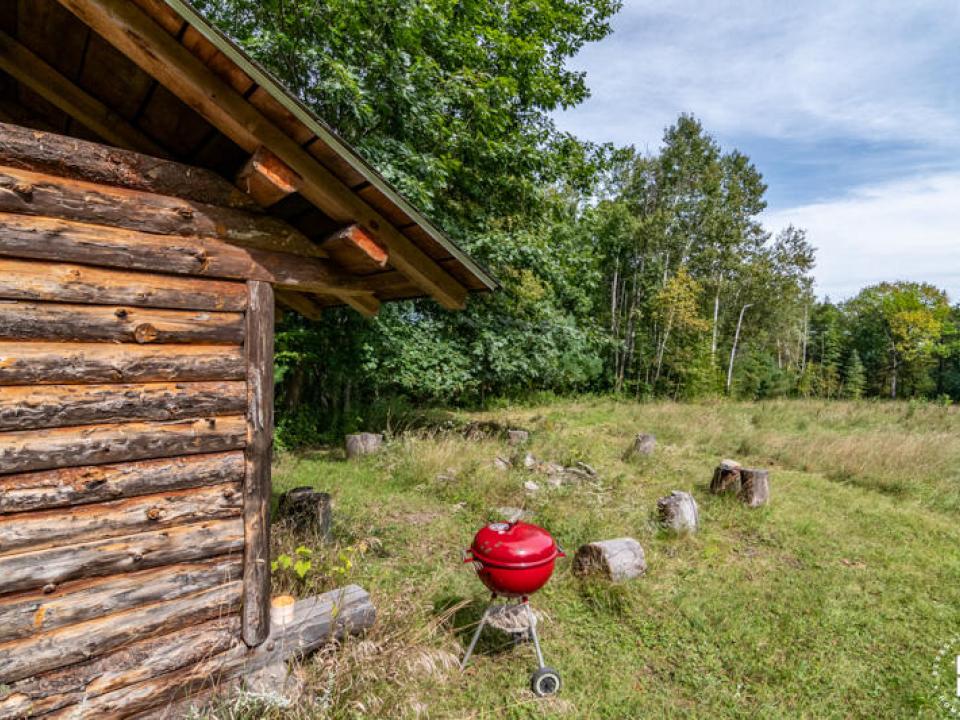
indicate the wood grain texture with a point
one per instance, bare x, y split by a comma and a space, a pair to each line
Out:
49, 528
28, 149
256, 494
25, 615
31, 193
28, 407
75, 643
66, 363
28, 450
103, 323
141, 660
65, 282
184, 543
63, 487
266, 178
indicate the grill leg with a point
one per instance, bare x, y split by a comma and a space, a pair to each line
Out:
476, 636
533, 632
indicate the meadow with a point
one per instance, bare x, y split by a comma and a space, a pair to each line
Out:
831, 602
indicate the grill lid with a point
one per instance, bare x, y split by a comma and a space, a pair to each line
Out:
514, 545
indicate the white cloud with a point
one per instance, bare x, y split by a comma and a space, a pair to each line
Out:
904, 230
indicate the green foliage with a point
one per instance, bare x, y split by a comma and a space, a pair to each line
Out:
854, 378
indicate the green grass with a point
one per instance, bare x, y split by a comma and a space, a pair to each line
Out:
831, 602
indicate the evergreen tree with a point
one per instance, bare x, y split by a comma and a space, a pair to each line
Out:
854, 377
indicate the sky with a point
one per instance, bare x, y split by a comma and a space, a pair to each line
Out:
849, 108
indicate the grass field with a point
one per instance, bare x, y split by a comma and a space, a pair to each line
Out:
830, 603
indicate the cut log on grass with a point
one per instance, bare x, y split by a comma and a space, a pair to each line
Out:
619, 559
726, 478
754, 487
643, 445
678, 512
365, 443
517, 437
307, 510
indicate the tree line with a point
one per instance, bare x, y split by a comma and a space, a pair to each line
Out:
642, 274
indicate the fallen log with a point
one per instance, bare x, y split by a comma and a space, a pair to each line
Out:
619, 559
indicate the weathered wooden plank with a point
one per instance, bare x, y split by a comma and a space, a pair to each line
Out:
25, 615
26, 450
144, 42
75, 643
49, 528
317, 620
141, 660
357, 240
32, 193
104, 323
63, 282
301, 303
256, 494
69, 241
25, 407
266, 178
63, 487
183, 543
28, 149
57, 363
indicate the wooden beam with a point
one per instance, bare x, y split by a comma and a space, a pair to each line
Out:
357, 239
48, 152
266, 178
256, 493
44, 80
366, 305
300, 303
147, 44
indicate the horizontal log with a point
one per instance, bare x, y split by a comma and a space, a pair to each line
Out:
60, 240
107, 165
97, 483
25, 615
27, 407
184, 543
134, 663
75, 643
58, 363
64, 282
30, 193
103, 323
49, 528
26, 450
317, 621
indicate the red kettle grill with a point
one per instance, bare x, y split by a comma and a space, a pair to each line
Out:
515, 560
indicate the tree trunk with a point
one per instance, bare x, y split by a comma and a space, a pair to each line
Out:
726, 478
360, 444
733, 348
754, 487
678, 512
716, 320
308, 510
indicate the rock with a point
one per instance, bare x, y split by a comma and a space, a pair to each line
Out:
643, 445
501, 463
582, 466
513, 514
530, 461
754, 487
678, 512
531, 486
365, 443
555, 480
517, 437
274, 685
307, 509
619, 559
726, 478
551, 468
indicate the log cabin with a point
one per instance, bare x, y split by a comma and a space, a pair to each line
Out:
159, 194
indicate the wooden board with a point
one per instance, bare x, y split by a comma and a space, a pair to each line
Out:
103, 323
64, 282
71, 603
48, 528
59, 363
25, 407
197, 541
63, 487
27, 450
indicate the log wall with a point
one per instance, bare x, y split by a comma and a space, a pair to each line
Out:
135, 426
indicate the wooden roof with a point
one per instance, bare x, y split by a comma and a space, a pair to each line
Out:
155, 77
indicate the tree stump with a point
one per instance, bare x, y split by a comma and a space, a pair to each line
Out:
678, 512
365, 443
754, 487
619, 559
517, 437
726, 478
643, 445
307, 509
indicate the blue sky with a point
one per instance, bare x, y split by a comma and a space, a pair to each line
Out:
850, 108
